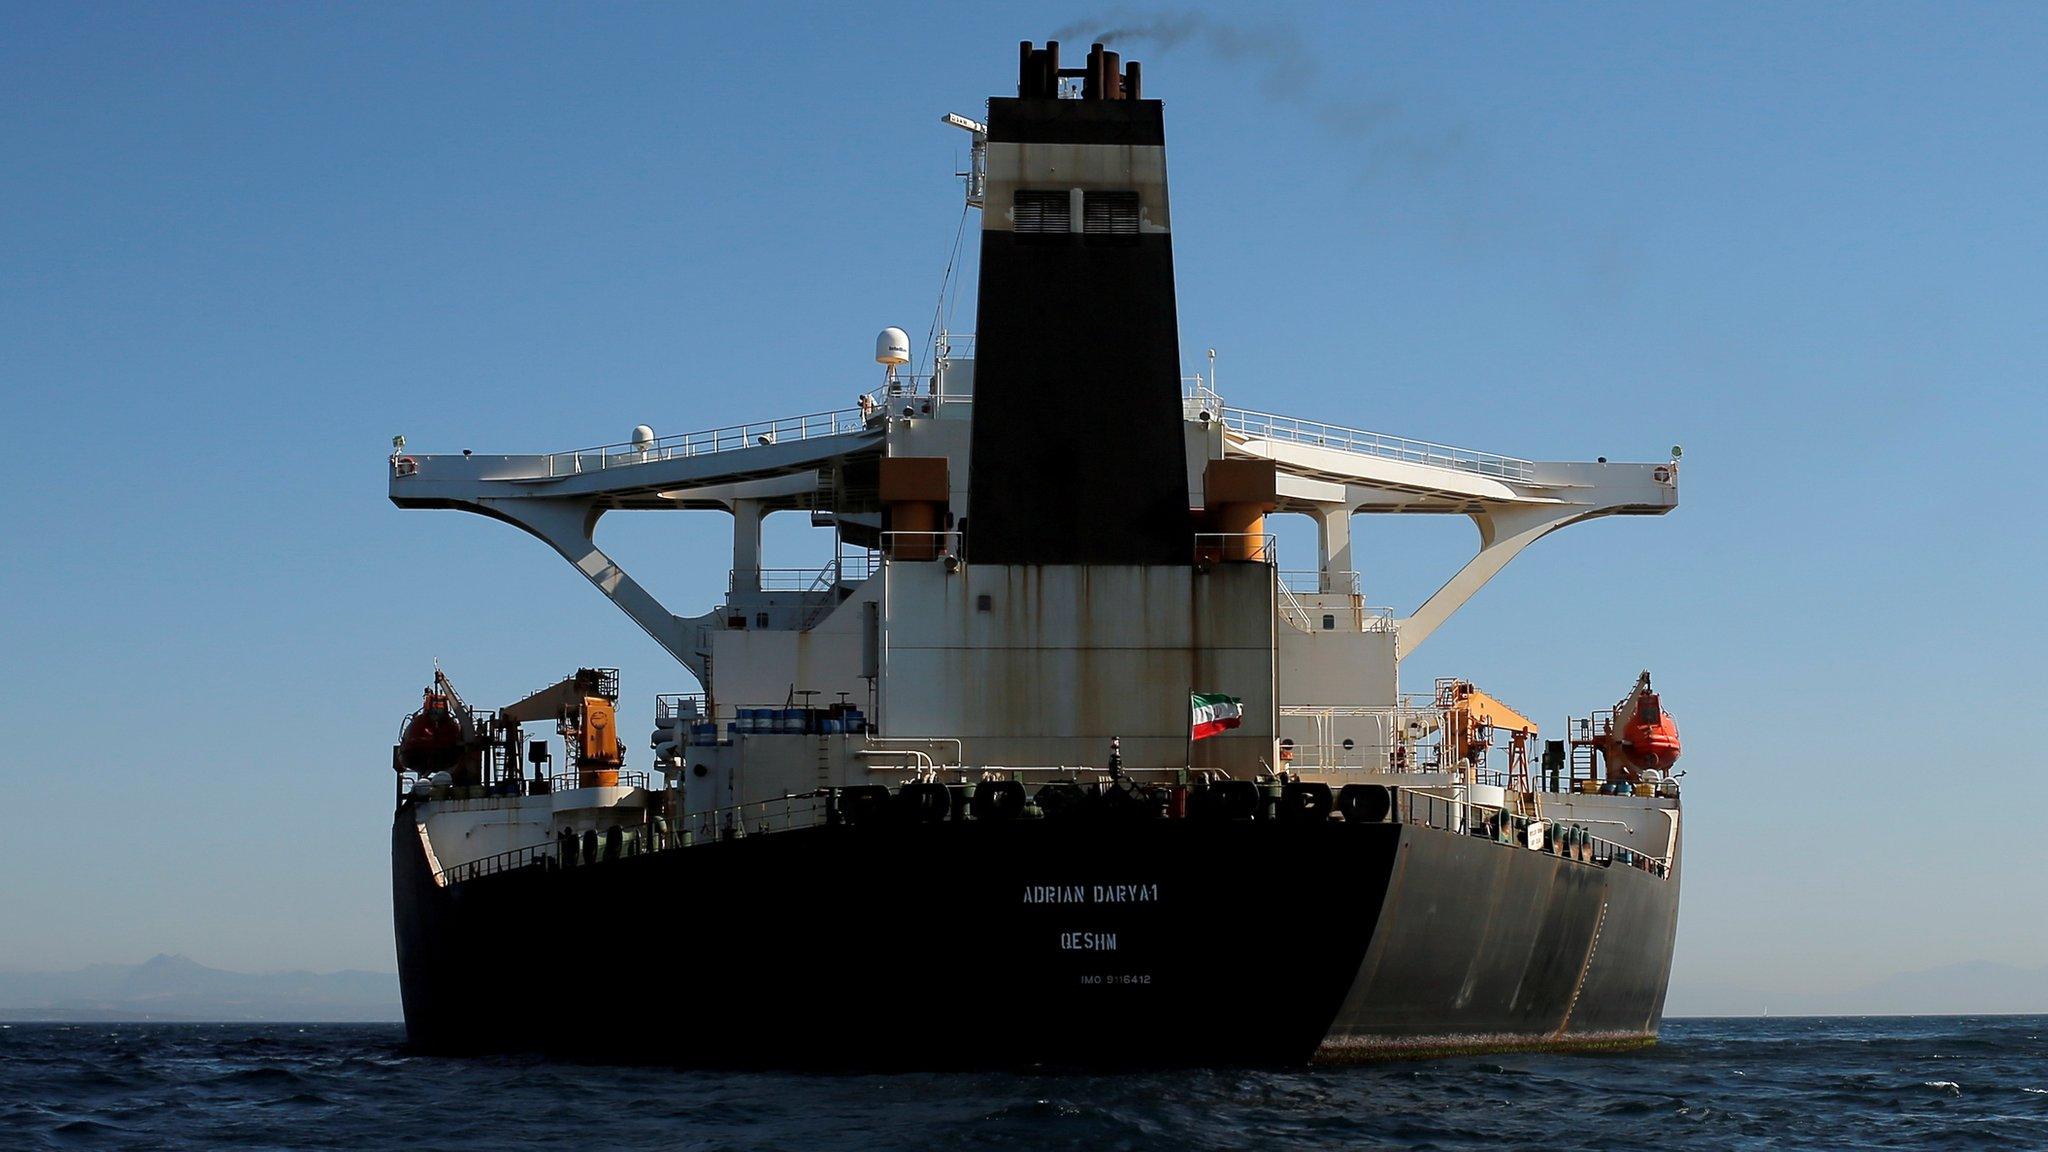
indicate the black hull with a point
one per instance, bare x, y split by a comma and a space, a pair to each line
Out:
965, 944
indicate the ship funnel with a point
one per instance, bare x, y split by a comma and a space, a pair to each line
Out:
1104, 77
1078, 451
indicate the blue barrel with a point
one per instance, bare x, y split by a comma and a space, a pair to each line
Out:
856, 721
750, 719
828, 726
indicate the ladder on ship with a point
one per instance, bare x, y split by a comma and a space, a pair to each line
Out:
1585, 734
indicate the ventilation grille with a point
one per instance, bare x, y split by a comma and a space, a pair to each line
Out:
1110, 213
1034, 212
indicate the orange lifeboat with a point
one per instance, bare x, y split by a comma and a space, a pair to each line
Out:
1650, 737
1644, 737
432, 739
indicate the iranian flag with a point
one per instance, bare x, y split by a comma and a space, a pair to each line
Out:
1214, 714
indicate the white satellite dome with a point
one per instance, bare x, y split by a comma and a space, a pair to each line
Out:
892, 347
643, 437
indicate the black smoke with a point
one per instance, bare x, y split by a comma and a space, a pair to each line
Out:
1287, 69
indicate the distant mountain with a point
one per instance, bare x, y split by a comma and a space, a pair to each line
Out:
1976, 987
178, 988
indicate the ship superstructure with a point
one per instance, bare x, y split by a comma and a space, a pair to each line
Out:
967, 744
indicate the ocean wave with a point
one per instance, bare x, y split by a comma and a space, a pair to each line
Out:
1711, 1085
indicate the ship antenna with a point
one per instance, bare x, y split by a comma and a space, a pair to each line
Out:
976, 177
948, 290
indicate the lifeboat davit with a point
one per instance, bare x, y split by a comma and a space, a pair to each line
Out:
432, 740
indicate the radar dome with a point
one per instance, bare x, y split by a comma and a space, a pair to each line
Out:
892, 347
643, 437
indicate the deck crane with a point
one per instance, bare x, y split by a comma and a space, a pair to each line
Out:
1471, 718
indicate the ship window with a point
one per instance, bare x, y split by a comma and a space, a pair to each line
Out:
1329, 622
1037, 211
984, 603
1109, 213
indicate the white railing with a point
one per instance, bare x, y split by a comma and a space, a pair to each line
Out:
1292, 610
955, 346
921, 545
684, 445
1321, 583
1455, 814
671, 706
786, 579
1570, 840
756, 817
1393, 739
850, 567
857, 566
909, 397
1324, 617
1265, 425
1259, 547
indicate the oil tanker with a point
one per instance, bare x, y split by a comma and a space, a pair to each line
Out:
1053, 762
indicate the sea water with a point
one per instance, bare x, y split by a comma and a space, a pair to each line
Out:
1927, 1082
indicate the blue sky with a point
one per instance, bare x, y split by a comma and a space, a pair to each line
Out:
241, 247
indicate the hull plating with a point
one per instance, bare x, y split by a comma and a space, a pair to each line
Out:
959, 945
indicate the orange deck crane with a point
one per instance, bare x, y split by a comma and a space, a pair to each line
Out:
1471, 718
584, 709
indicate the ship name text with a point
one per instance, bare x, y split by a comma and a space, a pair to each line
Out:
1091, 893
